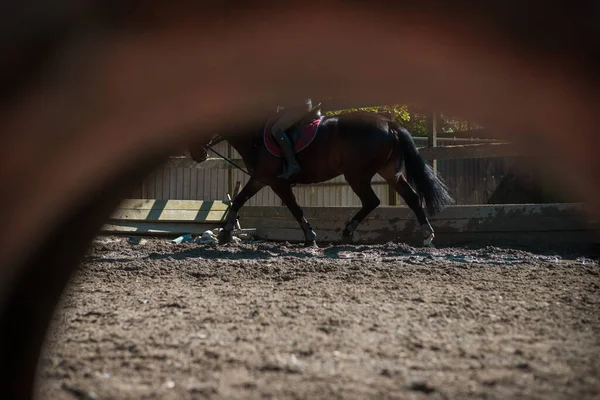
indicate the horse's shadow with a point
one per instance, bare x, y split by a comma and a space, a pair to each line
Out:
234, 253
265, 253
227, 252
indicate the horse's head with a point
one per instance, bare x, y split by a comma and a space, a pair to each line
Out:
197, 151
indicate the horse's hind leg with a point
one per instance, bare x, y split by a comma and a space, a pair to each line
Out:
362, 187
249, 190
411, 198
285, 193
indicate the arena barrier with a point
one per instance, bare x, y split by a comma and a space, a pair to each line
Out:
516, 224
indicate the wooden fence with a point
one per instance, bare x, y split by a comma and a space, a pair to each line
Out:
522, 224
465, 164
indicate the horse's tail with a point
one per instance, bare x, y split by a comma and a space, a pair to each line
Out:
420, 175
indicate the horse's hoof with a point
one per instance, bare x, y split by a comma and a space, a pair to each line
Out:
347, 239
428, 241
311, 243
225, 237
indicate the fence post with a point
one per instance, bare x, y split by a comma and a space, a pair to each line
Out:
432, 135
392, 195
229, 171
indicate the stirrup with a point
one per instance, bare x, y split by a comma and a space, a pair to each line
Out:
289, 172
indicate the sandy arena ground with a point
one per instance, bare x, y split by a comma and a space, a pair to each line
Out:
278, 321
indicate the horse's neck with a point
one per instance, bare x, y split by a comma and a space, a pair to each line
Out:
243, 145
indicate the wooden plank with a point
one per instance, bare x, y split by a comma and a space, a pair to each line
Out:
470, 151
168, 215
195, 205
156, 228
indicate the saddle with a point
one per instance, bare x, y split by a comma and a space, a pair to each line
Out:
301, 134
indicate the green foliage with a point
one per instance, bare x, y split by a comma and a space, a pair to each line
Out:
414, 120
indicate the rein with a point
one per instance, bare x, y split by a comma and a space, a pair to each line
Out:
218, 140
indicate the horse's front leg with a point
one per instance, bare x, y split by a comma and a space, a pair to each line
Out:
249, 190
284, 191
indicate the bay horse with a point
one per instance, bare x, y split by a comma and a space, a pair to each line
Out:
357, 145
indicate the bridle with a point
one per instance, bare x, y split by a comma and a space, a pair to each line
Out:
215, 141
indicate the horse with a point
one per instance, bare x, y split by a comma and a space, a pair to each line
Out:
357, 145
